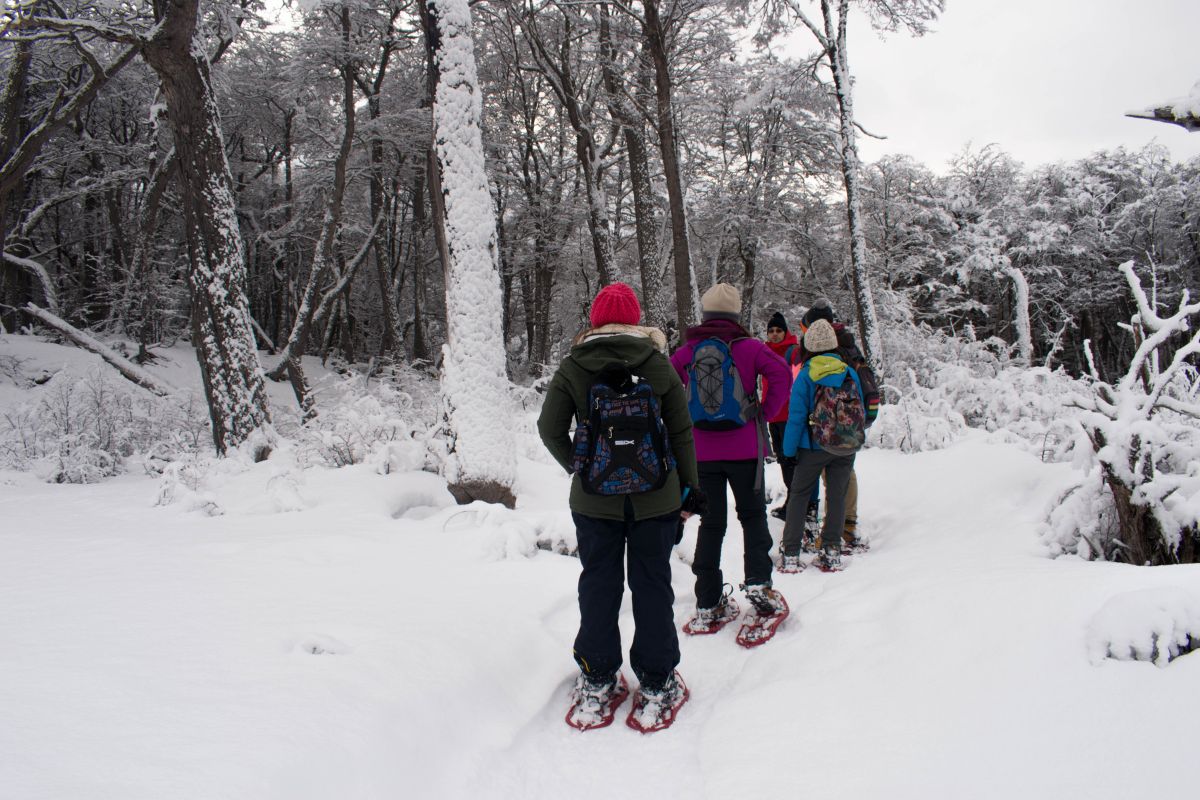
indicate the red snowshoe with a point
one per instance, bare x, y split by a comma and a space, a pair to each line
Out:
829, 561
595, 704
711, 620
655, 709
767, 612
790, 565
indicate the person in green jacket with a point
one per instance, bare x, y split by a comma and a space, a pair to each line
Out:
641, 526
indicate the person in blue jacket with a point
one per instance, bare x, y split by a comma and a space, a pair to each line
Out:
826, 368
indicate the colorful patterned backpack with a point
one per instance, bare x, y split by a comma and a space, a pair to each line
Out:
837, 422
622, 447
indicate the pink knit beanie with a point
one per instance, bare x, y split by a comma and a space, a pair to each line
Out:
615, 303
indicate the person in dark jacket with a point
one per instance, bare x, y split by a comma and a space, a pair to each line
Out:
784, 344
826, 368
610, 527
733, 459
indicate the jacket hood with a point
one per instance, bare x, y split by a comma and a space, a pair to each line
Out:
725, 329
827, 370
632, 345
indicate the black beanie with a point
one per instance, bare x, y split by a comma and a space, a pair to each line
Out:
777, 321
820, 310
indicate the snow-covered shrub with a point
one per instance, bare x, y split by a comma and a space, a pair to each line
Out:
11, 370
936, 386
1142, 463
388, 420
79, 431
83, 429
1156, 625
527, 401
1083, 520
915, 418
184, 481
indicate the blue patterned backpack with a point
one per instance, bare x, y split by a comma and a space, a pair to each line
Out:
622, 446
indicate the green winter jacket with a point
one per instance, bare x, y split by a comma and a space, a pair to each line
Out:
567, 395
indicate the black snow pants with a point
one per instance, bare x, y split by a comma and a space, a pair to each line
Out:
602, 551
751, 506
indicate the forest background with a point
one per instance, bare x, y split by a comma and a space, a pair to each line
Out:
438, 189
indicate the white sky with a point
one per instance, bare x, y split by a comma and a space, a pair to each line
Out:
1046, 80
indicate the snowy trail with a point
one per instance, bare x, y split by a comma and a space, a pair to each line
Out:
380, 643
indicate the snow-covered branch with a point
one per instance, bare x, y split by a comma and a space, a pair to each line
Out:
1181, 111
1138, 500
39, 272
122, 365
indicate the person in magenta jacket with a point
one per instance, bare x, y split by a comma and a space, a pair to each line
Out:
734, 458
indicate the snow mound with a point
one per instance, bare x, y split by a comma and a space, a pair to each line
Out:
424, 494
501, 533
1155, 625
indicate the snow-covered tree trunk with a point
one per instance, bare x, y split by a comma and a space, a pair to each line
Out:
233, 378
12, 102
475, 396
1021, 316
868, 321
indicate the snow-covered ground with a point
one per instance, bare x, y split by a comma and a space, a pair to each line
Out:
376, 641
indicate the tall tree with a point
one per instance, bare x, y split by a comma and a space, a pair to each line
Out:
482, 465
887, 15
552, 45
657, 30
224, 337
633, 132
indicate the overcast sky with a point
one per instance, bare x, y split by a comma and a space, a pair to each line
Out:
1047, 80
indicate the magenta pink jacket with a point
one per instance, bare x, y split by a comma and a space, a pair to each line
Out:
752, 358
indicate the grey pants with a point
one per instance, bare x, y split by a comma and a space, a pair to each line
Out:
809, 466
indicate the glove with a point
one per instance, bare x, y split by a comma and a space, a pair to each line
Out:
693, 501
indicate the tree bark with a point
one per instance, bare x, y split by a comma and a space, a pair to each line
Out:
12, 103
416, 257
633, 134
1021, 316
232, 376
868, 321
656, 44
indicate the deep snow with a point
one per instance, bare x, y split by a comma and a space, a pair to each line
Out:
380, 642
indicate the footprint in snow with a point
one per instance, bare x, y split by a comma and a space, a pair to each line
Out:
321, 645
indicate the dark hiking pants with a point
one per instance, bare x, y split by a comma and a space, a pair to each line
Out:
751, 506
602, 551
809, 465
